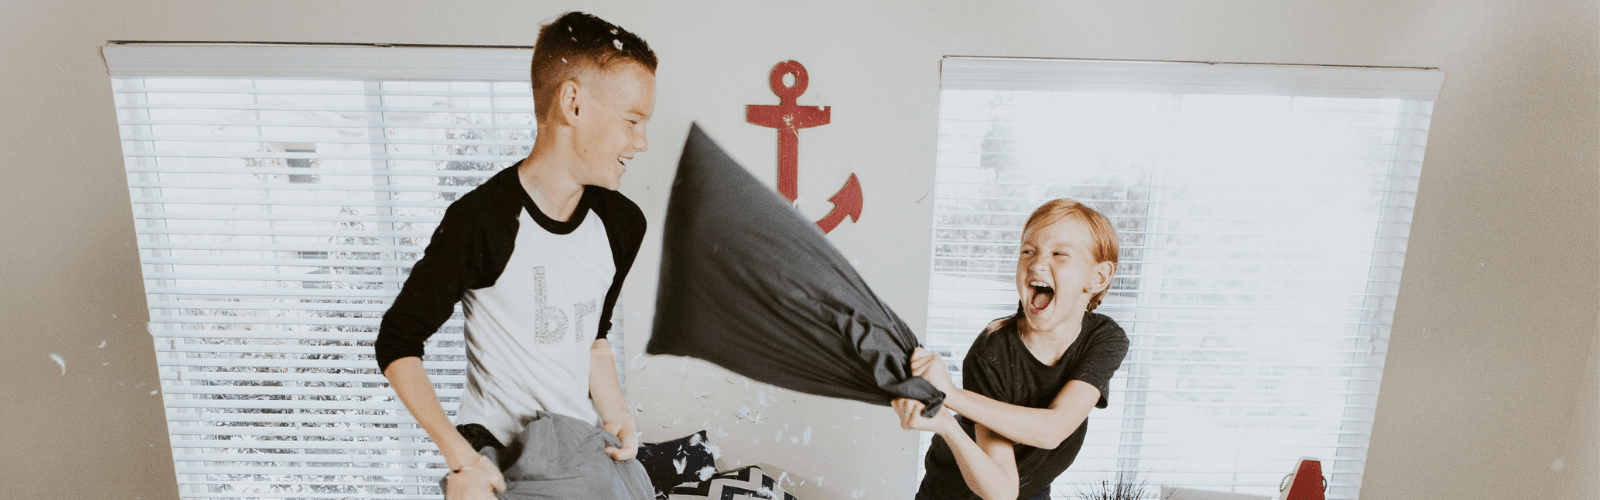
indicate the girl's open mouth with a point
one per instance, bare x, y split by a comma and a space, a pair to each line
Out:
1041, 296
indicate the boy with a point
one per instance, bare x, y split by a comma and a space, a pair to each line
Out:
1030, 378
537, 256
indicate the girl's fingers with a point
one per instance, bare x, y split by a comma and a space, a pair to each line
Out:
921, 366
913, 409
903, 409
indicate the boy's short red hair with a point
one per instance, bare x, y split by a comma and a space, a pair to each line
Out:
1101, 232
579, 42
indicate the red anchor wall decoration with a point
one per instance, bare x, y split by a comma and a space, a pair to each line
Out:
789, 117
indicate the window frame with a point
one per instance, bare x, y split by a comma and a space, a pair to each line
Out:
377, 450
1419, 85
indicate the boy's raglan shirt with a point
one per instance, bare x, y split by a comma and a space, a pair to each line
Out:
536, 293
1000, 367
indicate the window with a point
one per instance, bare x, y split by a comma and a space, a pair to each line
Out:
1263, 212
281, 194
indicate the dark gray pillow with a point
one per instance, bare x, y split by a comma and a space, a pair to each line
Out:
749, 284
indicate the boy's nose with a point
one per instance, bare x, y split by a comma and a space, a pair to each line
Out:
640, 142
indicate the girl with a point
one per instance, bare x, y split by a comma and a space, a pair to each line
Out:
1031, 378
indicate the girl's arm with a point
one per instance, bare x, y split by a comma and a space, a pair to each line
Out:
606, 392
1043, 428
989, 465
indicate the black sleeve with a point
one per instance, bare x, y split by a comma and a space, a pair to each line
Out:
1106, 348
449, 266
625, 227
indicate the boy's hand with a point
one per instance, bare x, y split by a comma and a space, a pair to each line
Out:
629, 438
931, 366
910, 411
478, 482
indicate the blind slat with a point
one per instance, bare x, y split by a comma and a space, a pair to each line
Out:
320, 202
396, 471
509, 125
323, 156
288, 349
297, 432
386, 416
252, 446
439, 379
319, 170
349, 405
298, 61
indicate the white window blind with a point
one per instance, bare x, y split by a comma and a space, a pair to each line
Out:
1263, 212
281, 194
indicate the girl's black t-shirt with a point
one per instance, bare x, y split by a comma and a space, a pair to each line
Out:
999, 366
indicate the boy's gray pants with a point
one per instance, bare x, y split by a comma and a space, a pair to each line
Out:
560, 457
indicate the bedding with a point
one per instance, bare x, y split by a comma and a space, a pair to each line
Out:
747, 483
670, 463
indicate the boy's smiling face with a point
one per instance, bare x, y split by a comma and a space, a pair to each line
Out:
610, 128
1057, 274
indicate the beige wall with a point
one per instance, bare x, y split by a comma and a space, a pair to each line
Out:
1496, 317
1579, 470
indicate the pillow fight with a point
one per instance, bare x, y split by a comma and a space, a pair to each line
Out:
537, 255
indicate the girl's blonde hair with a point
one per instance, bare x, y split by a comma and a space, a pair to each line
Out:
1102, 234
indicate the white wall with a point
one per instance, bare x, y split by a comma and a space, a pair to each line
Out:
1495, 312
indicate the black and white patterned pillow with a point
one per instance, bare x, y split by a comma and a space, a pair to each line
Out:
671, 463
743, 484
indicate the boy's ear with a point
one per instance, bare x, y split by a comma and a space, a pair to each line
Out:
567, 100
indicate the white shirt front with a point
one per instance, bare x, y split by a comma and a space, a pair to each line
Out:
528, 336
